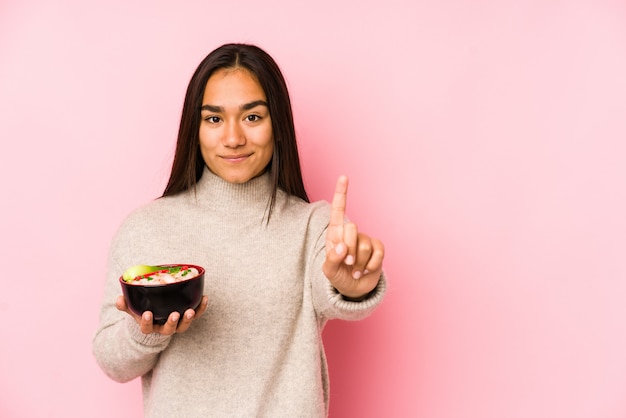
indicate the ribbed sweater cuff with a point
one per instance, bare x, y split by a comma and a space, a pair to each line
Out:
369, 303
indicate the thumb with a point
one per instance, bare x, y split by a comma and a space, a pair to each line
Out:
335, 254
120, 304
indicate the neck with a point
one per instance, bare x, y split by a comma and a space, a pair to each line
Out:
217, 194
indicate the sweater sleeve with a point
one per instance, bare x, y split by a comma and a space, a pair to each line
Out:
120, 348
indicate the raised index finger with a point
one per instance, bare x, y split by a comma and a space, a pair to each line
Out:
338, 205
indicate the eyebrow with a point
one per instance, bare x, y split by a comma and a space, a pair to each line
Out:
245, 106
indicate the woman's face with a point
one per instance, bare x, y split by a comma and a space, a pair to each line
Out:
236, 139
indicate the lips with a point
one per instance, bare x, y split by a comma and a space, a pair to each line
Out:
236, 157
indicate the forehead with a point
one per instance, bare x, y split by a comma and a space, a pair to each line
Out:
232, 84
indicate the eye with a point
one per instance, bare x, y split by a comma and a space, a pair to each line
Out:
253, 118
212, 119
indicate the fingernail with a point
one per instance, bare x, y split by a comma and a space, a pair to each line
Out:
356, 274
339, 248
146, 316
349, 260
175, 317
189, 315
366, 271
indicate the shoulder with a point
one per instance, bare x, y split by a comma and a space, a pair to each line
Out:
297, 218
152, 209
318, 211
146, 216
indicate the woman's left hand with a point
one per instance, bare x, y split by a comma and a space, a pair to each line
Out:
354, 260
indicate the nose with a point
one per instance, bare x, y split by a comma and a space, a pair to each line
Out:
234, 136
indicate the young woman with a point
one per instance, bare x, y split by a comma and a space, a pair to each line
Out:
277, 266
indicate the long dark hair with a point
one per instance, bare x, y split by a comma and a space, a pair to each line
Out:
284, 166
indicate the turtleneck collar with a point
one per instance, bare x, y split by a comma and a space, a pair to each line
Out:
216, 193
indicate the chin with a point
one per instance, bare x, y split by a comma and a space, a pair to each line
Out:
236, 175
237, 179
241, 178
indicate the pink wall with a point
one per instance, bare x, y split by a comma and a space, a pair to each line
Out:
485, 141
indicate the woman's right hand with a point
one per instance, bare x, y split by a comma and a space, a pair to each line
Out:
174, 322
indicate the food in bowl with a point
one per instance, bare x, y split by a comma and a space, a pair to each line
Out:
163, 289
155, 275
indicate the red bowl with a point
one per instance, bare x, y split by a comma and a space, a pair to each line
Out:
163, 299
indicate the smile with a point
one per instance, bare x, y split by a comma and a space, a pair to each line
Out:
235, 158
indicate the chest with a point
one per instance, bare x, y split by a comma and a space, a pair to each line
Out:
248, 262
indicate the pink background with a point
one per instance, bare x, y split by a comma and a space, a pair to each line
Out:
485, 142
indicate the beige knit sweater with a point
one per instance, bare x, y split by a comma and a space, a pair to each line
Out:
257, 351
